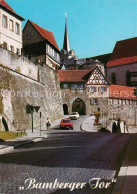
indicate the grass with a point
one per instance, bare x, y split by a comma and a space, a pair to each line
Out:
4, 135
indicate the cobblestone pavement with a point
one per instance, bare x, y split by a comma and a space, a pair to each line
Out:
68, 157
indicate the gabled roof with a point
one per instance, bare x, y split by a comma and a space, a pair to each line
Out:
45, 34
4, 5
97, 78
125, 52
122, 92
78, 75
73, 75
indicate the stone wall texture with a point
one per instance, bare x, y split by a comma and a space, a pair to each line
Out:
39, 86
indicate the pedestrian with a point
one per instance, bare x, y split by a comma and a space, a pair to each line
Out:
48, 123
125, 127
118, 126
114, 127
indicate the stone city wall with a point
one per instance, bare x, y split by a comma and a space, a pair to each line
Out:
18, 63
18, 90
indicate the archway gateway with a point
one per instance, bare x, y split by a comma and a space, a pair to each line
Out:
79, 106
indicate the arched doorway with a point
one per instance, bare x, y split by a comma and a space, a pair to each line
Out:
5, 124
79, 106
65, 109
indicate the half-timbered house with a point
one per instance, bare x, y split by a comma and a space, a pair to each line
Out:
84, 91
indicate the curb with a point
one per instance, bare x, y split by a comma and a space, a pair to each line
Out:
8, 149
118, 186
82, 128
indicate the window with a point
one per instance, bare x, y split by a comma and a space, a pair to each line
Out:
28, 36
4, 45
65, 86
48, 48
53, 53
98, 109
93, 101
81, 86
128, 79
11, 48
113, 78
11, 25
93, 89
75, 86
135, 92
4, 21
57, 56
17, 28
18, 51
102, 89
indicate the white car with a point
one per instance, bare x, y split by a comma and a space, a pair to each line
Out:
74, 115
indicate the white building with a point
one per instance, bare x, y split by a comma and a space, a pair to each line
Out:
10, 28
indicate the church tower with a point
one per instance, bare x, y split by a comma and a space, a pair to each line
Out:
66, 45
66, 52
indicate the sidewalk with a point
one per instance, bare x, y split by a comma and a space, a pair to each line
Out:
127, 177
36, 136
88, 125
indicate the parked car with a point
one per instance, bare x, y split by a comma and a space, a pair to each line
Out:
74, 115
66, 124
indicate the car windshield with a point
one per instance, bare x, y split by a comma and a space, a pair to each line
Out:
74, 113
66, 121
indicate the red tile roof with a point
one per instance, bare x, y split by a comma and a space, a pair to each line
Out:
122, 92
122, 61
125, 52
73, 75
124, 48
46, 34
5, 5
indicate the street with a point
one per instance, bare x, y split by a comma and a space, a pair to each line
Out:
65, 157
76, 123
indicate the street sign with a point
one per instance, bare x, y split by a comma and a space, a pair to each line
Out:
29, 109
36, 108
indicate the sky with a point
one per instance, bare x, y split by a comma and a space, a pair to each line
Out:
94, 26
